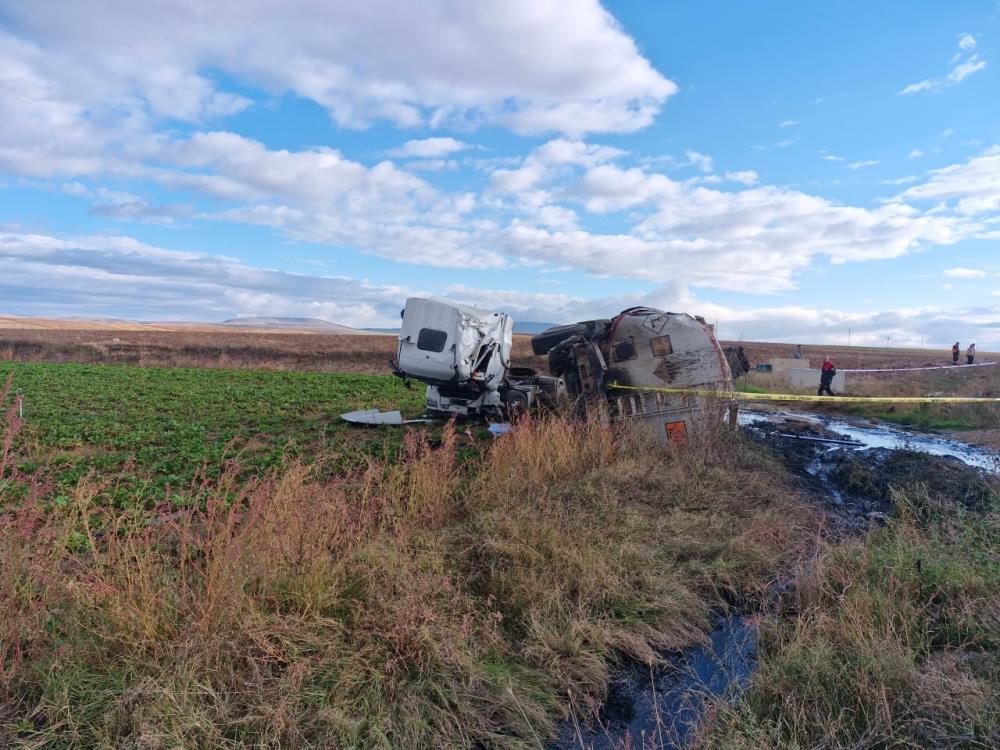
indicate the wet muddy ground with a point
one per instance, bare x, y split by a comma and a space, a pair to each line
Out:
850, 468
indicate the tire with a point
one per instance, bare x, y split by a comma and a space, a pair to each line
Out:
515, 403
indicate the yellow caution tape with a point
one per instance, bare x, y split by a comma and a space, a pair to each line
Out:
745, 396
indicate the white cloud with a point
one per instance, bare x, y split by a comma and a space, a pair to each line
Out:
566, 67
745, 177
903, 327
517, 180
915, 154
561, 151
100, 275
119, 276
965, 273
750, 240
901, 180
788, 123
699, 161
962, 70
428, 148
432, 165
831, 157
862, 164
973, 187
609, 188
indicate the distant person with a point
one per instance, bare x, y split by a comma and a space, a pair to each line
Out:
797, 354
970, 354
826, 378
954, 353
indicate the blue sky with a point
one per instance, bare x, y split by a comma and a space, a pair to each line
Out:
791, 170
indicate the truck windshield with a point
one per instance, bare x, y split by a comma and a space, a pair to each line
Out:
431, 340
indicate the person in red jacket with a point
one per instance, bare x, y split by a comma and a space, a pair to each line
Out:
826, 377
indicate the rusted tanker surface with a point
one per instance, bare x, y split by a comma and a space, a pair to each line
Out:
642, 347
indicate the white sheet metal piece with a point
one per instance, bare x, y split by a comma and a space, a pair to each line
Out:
373, 416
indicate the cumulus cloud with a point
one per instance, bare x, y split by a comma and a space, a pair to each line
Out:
915, 326
427, 148
745, 177
101, 275
972, 187
566, 67
699, 161
120, 276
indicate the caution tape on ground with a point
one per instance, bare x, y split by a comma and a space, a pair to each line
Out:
744, 396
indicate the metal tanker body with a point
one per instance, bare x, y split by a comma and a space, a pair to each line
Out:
642, 348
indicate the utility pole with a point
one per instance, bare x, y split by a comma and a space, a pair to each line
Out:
848, 336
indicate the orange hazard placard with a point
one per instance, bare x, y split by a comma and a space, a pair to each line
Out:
677, 432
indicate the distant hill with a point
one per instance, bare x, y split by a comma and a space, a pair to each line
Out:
531, 326
528, 327
317, 325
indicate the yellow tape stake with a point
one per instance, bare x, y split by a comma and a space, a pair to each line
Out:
744, 396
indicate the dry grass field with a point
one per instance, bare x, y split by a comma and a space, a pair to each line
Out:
208, 345
181, 345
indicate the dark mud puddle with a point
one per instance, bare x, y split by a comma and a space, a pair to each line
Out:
662, 706
849, 467
863, 435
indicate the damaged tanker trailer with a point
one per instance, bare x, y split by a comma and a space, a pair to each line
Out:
642, 348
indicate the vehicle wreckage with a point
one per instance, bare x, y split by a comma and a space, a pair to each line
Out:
607, 368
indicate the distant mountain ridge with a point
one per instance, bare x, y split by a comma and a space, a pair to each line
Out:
302, 324
532, 326
528, 327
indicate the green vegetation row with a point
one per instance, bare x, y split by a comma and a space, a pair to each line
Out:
147, 433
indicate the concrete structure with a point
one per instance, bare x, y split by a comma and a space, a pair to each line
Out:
804, 377
784, 364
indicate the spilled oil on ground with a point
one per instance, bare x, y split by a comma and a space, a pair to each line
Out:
851, 470
662, 706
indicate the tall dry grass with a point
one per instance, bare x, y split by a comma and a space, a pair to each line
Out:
423, 603
889, 641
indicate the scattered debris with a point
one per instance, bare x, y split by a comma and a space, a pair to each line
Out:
378, 417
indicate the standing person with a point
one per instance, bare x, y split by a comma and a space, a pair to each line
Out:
797, 354
954, 353
970, 354
826, 377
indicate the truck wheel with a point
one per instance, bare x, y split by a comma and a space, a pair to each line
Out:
515, 403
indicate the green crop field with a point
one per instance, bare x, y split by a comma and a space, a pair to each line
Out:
144, 432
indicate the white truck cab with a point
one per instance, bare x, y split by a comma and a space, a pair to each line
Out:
463, 354
453, 344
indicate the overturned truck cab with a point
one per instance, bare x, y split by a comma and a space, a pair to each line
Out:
642, 348
463, 354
